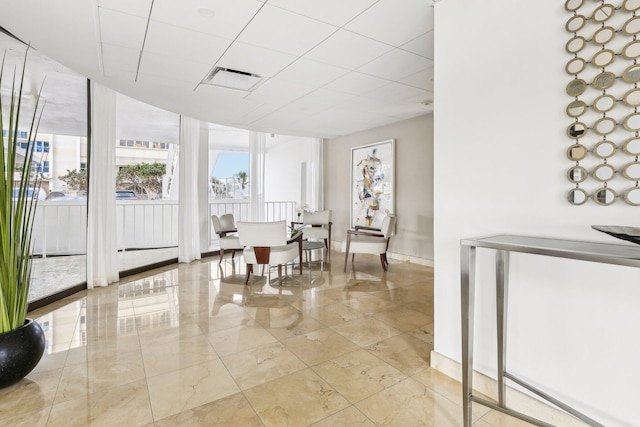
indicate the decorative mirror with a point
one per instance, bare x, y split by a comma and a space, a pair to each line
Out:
604, 80
632, 171
631, 50
577, 174
603, 172
632, 122
571, 5
604, 149
577, 130
602, 58
575, 66
631, 5
604, 103
577, 196
632, 26
576, 44
605, 126
632, 74
632, 146
602, 36
577, 152
632, 196
575, 23
632, 98
603, 12
576, 108
605, 196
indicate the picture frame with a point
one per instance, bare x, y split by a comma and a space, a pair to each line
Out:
372, 183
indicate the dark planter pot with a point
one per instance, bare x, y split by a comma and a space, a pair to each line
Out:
20, 352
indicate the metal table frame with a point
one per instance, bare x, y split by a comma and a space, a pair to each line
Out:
503, 245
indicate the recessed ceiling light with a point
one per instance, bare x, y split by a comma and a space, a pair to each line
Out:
203, 11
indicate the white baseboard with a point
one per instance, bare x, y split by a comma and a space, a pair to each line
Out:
342, 247
515, 399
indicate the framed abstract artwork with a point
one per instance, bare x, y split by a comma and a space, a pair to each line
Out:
372, 183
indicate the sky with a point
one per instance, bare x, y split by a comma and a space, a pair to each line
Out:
229, 164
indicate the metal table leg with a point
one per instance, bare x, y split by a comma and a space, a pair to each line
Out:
467, 284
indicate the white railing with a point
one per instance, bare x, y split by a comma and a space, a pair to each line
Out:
60, 228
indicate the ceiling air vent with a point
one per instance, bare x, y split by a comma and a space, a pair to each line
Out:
234, 79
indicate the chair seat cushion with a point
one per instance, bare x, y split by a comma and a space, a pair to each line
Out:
278, 254
362, 244
230, 242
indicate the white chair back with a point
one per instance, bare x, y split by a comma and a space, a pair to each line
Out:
316, 218
216, 223
388, 226
227, 222
262, 233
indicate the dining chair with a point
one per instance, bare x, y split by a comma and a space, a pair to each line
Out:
266, 243
369, 240
317, 225
225, 227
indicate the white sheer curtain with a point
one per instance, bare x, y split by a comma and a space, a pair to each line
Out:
188, 221
316, 174
257, 147
102, 251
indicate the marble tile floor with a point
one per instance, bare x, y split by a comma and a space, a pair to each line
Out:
191, 345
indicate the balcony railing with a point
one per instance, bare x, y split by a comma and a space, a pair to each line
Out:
60, 228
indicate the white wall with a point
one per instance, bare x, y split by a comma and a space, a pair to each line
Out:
283, 166
500, 168
413, 184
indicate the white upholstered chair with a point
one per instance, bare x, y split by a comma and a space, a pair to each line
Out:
225, 227
267, 243
317, 225
368, 240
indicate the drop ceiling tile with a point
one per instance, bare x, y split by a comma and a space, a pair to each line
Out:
422, 45
335, 12
182, 43
136, 8
255, 114
122, 29
394, 92
311, 72
422, 79
279, 92
153, 82
254, 59
316, 101
348, 50
356, 83
278, 29
396, 65
118, 60
402, 22
229, 18
173, 68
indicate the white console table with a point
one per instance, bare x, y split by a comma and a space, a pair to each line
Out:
503, 245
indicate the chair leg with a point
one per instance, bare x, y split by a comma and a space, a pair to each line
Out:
249, 271
233, 253
280, 274
346, 259
221, 255
383, 261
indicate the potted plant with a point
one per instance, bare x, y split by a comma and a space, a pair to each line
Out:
21, 340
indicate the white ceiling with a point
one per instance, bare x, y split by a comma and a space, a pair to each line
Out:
329, 68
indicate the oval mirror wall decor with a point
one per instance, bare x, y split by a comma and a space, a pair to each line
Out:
604, 103
577, 130
631, 27
602, 36
604, 149
603, 173
577, 87
632, 196
576, 108
577, 174
605, 126
632, 74
631, 50
575, 66
632, 122
575, 23
631, 171
631, 5
604, 80
632, 98
632, 146
576, 44
577, 196
602, 58
576, 152
604, 196
603, 12
571, 5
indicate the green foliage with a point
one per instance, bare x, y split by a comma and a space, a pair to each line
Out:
142, 178
16, 210
243, 178
76, 179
